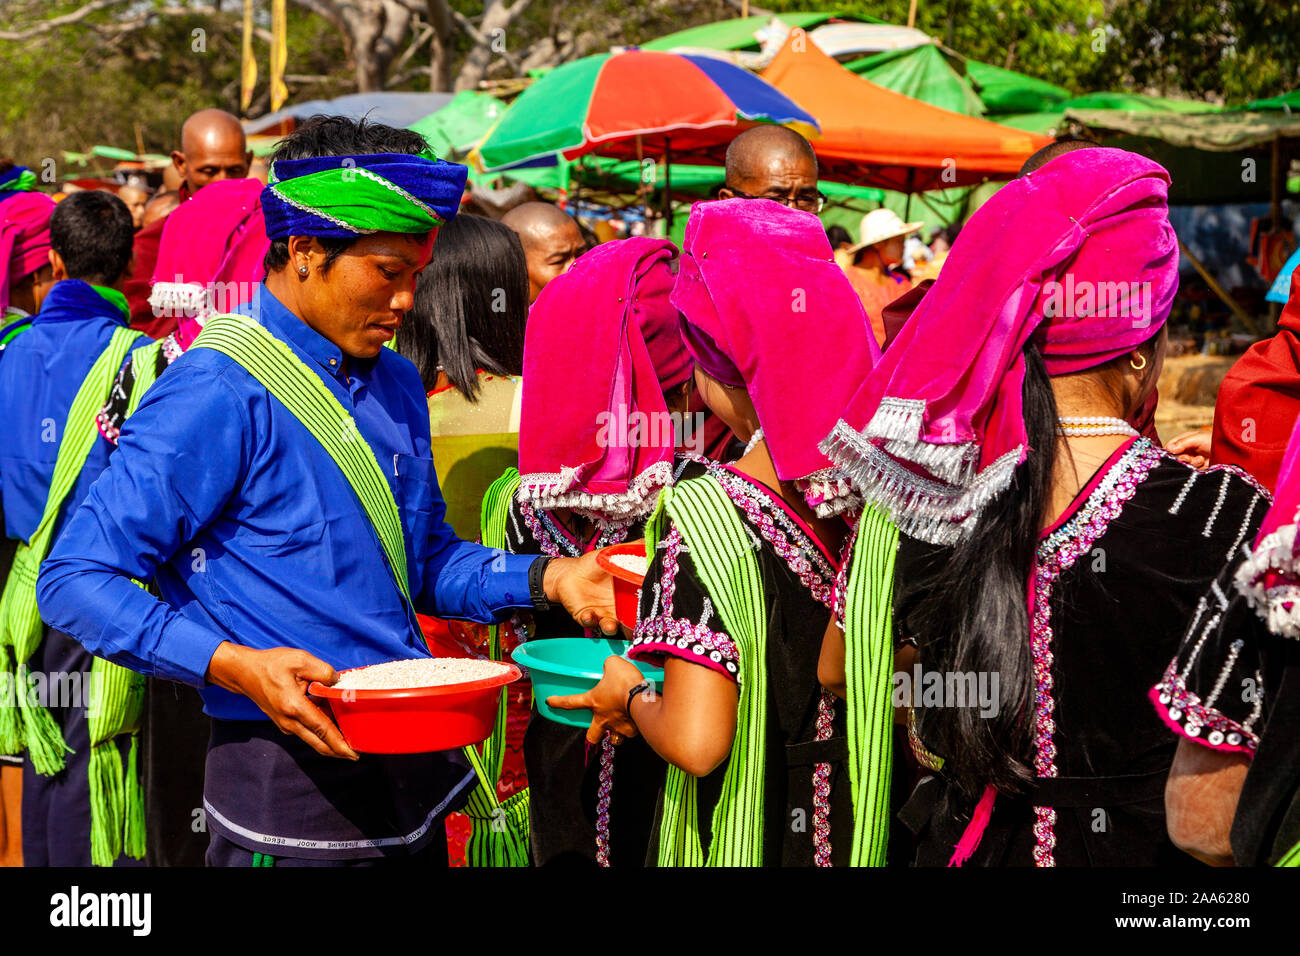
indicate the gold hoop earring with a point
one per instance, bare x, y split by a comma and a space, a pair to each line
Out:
1134, 365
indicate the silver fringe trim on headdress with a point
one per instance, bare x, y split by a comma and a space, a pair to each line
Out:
550, 491
940, 507
829, 492
179, 300
1279, 605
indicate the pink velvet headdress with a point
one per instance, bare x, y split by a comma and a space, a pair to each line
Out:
24, 238
765, 306
1079, 254
1270, 577
210, 255
595, 434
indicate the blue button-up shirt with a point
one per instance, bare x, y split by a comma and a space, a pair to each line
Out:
252, 532
40, 373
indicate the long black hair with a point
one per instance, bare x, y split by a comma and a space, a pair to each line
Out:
968, 613
967, 608
471, 305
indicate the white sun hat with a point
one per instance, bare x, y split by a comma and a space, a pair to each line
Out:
881, 224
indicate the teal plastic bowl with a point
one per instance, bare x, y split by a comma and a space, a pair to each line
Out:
572, 665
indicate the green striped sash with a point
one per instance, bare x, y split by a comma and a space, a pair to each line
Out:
117, 821
724, 557
869, 668
29, 724
500, 834
309, 400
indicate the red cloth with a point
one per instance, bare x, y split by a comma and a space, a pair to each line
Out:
138, 285
1259, 400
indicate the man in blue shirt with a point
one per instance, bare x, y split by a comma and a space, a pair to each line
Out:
270, 572
41, 371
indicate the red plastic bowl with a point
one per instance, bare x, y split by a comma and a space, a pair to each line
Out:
416, 720
627, 584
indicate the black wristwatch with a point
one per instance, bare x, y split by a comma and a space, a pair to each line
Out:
536, 590
631, 695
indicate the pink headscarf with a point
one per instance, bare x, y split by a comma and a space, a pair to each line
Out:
595, 434
210, 255
764, 306
24, 238
1270, 577
1078, 254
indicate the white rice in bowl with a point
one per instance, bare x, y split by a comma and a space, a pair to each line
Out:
636, 563
420, 672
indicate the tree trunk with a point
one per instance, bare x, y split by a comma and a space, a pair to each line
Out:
492, 32
440, 49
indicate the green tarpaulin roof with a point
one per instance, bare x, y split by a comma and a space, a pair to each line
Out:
458, 126
1138, 103
943, 78
1287, 101
1223, 131
738, 34
625, 176
923, 73
1006, 91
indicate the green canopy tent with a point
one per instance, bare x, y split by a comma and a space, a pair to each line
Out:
924, 73
738, 34
1005, 92
459, 126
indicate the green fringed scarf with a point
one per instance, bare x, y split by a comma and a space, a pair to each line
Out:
869, 668
724, 557
116, 804
500, 829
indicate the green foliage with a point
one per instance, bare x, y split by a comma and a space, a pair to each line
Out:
83, 84
93, 82
1230, 51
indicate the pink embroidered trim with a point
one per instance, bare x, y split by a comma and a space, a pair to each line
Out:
602, 799
550, 538
1057, 553
841, 590
803, 558
822, 786
1186, 715
680, 638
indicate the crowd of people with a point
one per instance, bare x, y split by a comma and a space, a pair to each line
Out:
924, 585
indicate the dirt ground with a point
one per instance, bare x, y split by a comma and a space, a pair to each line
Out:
1188, 386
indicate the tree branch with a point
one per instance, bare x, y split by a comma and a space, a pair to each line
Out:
54, 23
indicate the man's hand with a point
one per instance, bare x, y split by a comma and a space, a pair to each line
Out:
607, 700
276, 681
585, 589
1192, 448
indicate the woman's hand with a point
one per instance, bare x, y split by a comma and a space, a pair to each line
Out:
585, 589
607, 700
1192, 448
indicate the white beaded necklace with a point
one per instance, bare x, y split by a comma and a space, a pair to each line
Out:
1081, 426
754, 440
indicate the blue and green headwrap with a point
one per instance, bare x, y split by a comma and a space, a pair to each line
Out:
17, 179
349, 196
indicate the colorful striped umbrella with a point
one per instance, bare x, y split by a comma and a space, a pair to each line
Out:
635, 102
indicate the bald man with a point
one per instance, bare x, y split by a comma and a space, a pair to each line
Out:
551, 240
772, 162
212, 148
